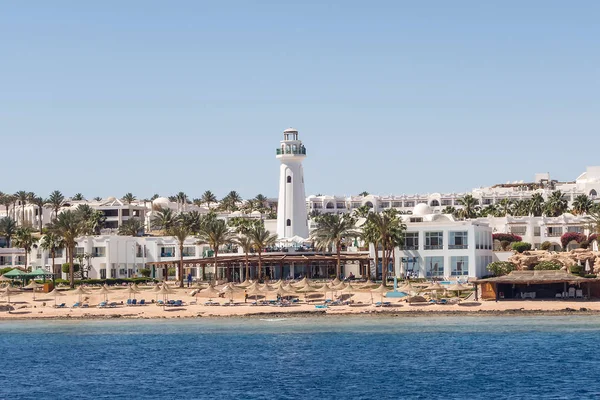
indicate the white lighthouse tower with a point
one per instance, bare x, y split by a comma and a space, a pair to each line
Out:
291, 209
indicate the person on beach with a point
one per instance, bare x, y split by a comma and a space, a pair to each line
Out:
189, 279
245, 296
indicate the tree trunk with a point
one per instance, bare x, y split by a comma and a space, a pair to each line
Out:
215, 264
181, 265
247, 268
71, 267
338, 268
259, 272
53, 253
40, 218
25, 259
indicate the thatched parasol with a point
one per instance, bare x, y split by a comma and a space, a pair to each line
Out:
131, 291
9, 291
56, 293
33, 285
104, 290
79, 292
381, 290
301, 283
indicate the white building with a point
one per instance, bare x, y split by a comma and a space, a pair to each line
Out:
291, 210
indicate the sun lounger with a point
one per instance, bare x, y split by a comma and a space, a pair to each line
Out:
61, 305
579, 294
442, 301
112, 305
134, 302
128, 302
102, 304
160, 303
76, 305
212, 303
321, 306
571, 292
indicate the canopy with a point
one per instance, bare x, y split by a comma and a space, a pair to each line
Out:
335, 282
348, 289
381, 289
210, 291
434, 286
39, 272
14, 273
537, 277
407, 288
301, 283
80, 290
457, 287
323, 289
306, 289
33, 285
55, 293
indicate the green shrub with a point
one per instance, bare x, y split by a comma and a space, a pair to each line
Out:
546, 245
171, 271
547, 266
505, 245
5, 270
145, 272
576, 269
499, 268
584, 245
65, 268
520, 247
593, 276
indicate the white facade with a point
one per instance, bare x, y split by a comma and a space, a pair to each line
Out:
291, 210
437, 246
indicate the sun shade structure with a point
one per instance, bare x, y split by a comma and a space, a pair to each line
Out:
105, 291
382, 290
14, 273
33, 285
55, 293
537, 277
79, 292
434, 286
9, 291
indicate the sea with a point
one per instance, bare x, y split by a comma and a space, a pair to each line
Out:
362, 357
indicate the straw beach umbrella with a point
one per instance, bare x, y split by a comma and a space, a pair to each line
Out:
131, 291
56, 293
348, 289
301, 283
457, 287
433, 288
9, 291
254, 291
33, 285
80, 291
209, 292
381, 290
104, 290
324, 289
407, 288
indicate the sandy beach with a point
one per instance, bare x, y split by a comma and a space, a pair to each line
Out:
24, 307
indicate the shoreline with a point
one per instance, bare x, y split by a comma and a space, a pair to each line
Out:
11, 316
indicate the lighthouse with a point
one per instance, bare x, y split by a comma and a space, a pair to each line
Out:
291, 209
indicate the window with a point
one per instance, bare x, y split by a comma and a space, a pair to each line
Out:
340, 205
536, 231
99, 252
125, 213
459, 240
434, 240
416, 219
79, 251
411, 241
167, 251
554, 231
111, 213
422, 201
396, 204
518, 230
446, 202
289, 222
356, 205
434, 203
289, 179
385, 204
103, 273
329, 205
411, 264
317, 205
409, 203
434, 266
460, 265
578, 229
369, 204
487, 202
58, 253
38, 256
189, 251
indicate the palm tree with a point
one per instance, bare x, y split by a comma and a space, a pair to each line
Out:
180, 231
131, 227
25, 240
491, 210
8, 227
97, 198
331, 232
505, 207
56, 201
582, 204
208, 198
154, 197
469, 208
128, 198
52, 242
193, 220
536, 205
6, 200
370, 235
215, 233
363, 194
92, 220
260, 200
449, 210
234, 197
78, 197
261, 238
246, 243
390, 232
164, 219
23, 197
362, 211
182, 200
68, 226
521, 208
39, 202
556, 205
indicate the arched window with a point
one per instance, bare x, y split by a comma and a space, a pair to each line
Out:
289, 179
434, 203
329, 205
289, 222
287, 149
369, 204
294, 149
593, 193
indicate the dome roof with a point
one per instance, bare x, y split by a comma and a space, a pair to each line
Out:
290, 130
161, 200
422, 209
109, 199
256, 213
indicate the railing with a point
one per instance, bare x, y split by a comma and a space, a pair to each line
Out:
434, 247
409, 247
554, 234
167, 254
458, 246
301, 151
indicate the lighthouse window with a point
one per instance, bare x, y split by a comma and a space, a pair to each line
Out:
289, 222
289, 179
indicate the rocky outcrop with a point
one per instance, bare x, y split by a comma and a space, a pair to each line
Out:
528, 259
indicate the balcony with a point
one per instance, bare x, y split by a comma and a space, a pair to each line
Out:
416, 247
434, 247
554, 234
300, 151
457, 246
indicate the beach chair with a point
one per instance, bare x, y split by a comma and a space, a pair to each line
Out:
102, 304
160, 303
61, 305
76, 305
571, 292
134, 302
178, 303
442, 301
321, 306
579, 294
142, 302
113, 305
128, 302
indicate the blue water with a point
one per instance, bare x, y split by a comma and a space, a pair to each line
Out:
303, 358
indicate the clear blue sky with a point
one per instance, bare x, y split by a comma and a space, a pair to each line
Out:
150, 97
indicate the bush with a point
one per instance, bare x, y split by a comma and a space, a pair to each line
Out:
509, 237
65, 268
547, 266
576, 269
145, 272
109, 281
171, 271
505, 245
520, 247
499, 268
569, 237
5, 270
584, 245
593, 276
592, 237
546, 245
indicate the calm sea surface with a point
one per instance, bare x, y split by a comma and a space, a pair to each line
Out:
303, 358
